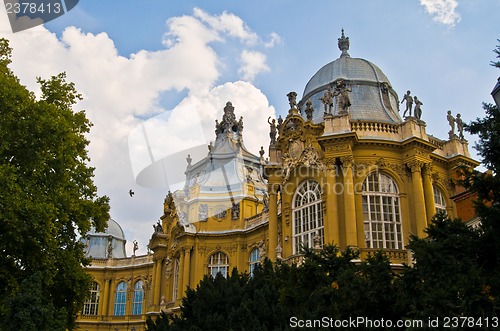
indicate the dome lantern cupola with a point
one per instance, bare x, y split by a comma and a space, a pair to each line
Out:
370, 93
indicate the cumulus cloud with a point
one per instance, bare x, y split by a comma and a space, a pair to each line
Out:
122, 93
252, 64
274, 40
443, 11
229, 24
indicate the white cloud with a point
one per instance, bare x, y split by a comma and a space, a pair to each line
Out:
229, 24
252, 63
443, 11
120, 91
274, 40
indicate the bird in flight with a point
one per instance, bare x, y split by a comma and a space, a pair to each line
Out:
131, 193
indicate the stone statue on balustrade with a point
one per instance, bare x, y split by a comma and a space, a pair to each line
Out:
272, 130
451, 122
460, 126
327, 100
409, 103
418, 110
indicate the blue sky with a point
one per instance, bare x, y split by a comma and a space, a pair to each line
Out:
180, 61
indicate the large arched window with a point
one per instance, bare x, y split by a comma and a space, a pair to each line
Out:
92, 303
307, 216
381, 212
218, 262
120, 299
439, 200
254, 260
175, 285
138, 298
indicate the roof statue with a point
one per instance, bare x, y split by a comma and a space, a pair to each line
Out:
327, 100
341, 92
409, 103
460, 126
451, 122
309, 110
418, 110
292, 99
272, 130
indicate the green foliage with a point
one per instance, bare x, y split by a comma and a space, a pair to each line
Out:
447, 278
47, 197
497, 52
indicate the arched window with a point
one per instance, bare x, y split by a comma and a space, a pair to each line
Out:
439, 200
254, 260
92, 303
307, 215
138, 298
175, 286
381, 212
218, 262
120, 298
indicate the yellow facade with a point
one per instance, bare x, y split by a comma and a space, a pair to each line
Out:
357, 176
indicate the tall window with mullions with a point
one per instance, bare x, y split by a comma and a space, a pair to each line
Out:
138, 298
120, 299
307, 215
381, 212
91, 305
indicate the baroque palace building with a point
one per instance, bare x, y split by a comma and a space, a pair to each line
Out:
343, 167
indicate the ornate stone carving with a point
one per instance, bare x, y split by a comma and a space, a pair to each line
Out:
309, 110
347, 160
309, 157
338, 148
415, 165
296, 148
286, 213
262, 250
203, 212
235, 211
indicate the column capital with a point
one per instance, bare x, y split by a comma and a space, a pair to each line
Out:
347, 160
415, 165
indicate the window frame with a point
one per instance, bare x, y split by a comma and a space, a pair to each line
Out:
138, 298
382, 218
218, 262
439, 205
254, 260
91, 305
120, 299
308, 215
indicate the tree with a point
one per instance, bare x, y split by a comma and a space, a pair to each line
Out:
47, 200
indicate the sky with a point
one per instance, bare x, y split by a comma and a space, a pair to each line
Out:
154, 75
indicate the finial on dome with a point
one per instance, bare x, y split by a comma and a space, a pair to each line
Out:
344, 44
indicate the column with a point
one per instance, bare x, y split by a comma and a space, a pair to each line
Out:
104, 302
157, 287
186, 267
273, 222
430, 206
418, 197
180, 282
332, 213
153, 283
349, 202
